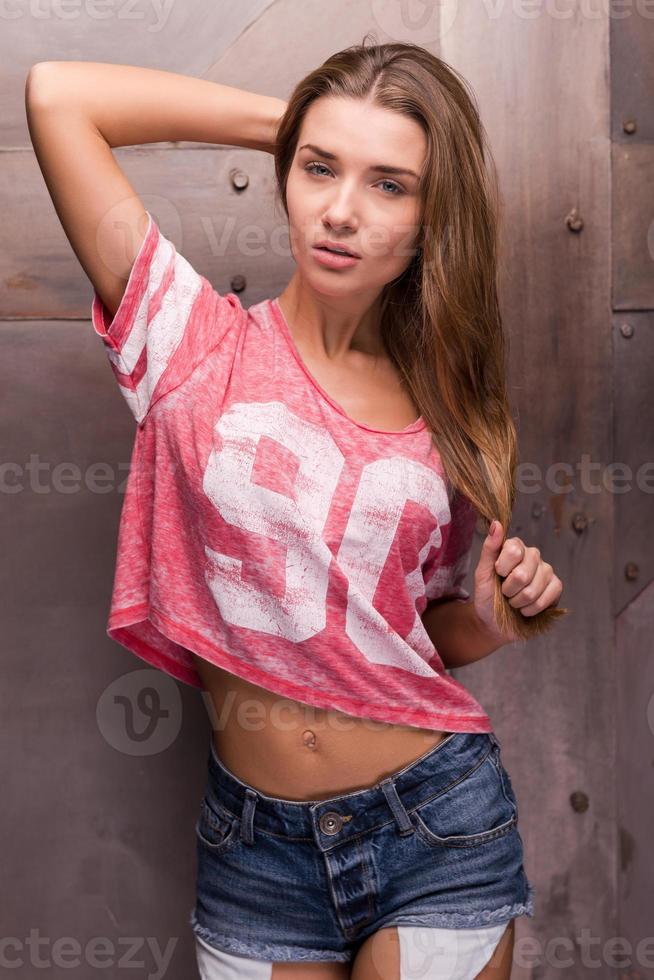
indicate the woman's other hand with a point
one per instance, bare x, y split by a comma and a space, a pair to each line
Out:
530, 583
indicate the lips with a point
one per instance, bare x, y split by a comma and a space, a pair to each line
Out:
336, 248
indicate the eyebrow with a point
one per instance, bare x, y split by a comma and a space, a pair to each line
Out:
379, 167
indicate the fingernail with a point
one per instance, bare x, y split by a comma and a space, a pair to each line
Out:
491, 530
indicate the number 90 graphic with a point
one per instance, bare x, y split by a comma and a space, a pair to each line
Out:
298, 525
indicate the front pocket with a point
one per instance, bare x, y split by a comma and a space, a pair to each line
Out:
475, 810
215, 829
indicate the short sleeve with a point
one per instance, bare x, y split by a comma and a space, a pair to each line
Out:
169, 318
445, 573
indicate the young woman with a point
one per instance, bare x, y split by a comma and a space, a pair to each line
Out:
298, 523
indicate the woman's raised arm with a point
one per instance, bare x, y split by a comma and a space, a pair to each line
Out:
77, 111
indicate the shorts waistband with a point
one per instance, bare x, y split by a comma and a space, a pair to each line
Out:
348, 815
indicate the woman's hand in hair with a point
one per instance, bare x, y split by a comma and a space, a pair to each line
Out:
530, 584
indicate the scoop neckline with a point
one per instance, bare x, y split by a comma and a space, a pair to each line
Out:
414, 426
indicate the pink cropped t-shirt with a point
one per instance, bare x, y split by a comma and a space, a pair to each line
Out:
264, 529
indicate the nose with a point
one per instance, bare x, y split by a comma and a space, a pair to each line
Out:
341, 211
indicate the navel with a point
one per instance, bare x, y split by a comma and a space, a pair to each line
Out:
309, 739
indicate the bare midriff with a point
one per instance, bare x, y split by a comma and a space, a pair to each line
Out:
292, 750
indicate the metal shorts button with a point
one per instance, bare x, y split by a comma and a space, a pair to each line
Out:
331, 822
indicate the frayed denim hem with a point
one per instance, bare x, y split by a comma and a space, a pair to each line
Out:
266, 951
463, 920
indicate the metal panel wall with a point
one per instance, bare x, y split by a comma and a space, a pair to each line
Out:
542, 84
632, 132
100, 835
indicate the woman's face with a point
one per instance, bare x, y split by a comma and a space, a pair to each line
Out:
353, 186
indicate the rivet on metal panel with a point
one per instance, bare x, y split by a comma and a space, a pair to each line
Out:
629, 126
579, 801
239, 179
627, 330
237, 283
579, 522
631, 571
574, 221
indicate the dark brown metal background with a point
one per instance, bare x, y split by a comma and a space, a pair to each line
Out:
99, 840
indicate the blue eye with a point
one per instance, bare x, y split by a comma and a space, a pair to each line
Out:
315, 165
393, 184
396, 192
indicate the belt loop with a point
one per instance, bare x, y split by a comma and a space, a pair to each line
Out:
397, 807
247, 816
495, 745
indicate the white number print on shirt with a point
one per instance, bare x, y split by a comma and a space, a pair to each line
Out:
298, 524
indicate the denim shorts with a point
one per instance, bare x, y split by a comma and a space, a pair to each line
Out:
434, 844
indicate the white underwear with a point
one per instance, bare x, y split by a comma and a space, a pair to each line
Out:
425, 954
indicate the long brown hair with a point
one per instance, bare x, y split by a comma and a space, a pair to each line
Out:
440, 320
